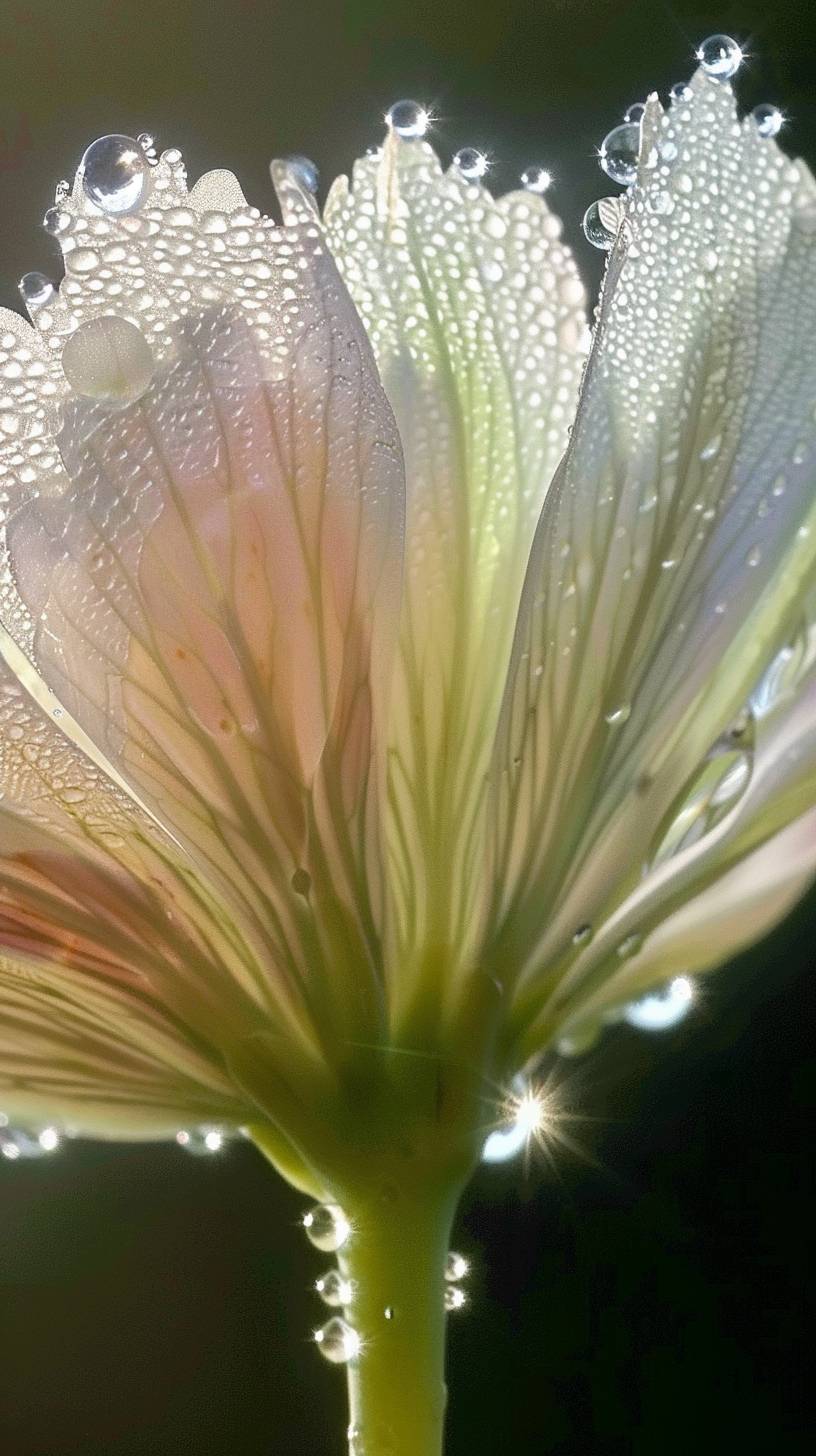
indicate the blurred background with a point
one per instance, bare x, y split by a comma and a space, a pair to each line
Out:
646, 1295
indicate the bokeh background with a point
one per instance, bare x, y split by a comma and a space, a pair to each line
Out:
649, 1295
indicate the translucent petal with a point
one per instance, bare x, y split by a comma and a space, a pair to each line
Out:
108, 1064
679, 537
208, 578
712, 896
476, 315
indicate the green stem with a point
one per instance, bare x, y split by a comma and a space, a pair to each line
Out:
396, 1260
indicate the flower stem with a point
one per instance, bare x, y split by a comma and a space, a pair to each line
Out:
396, 1260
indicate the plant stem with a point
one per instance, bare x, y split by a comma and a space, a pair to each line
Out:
396, 1259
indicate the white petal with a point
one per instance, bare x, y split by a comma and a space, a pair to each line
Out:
680, 535
476, 315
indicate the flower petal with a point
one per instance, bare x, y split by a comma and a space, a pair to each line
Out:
680, 535
476, 316
212, 577
104, 1063
708, 897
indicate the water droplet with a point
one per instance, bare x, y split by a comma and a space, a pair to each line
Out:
408, 119
36, 290
334, 1289
456, 1267
709, 260
616, 717
108, 358
712, 449
115, 174
754, 556
470, 164
680, 91
337, 1341
583, 935
147, 142
536, 179
595, 230
203, 1141
720, 57
17, 1143
57, 222
662, 1009
635, 112
768, 119
630, 946
389, 1312
455, 1298
326, 1227
304, 171
619, 153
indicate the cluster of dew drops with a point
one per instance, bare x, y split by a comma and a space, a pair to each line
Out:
720, 57
339, 1341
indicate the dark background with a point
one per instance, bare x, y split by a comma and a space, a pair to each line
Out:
650, 1298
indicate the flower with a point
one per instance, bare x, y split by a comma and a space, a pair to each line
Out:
364, 688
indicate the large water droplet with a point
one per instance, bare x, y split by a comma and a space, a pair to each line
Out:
326, 1227
115, 174
57, 221
619, 153
36, 290
338, 1341
662, 1009
768, 119
18, 1143
408, 119
536, 179
470, 163
108, 358
201, 1142
597, 225
334, 1289
720, 57
456, 1267
304, 171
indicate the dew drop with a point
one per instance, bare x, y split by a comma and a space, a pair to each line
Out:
680, 91
36, 290
22, 1144
147, 142
108, 358
304, 171
455, 1298
635, 113
709, 260
616, 717
201, 1142
57, 222
619, 153
720, 57
536, 179
630, 946
754, 556
326, 1226
337, 1341
456, 1267
470, 164
334, 1289
662, 1009
768, 119
596, 231
583, 935
408, 119
712, 449
115, 174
